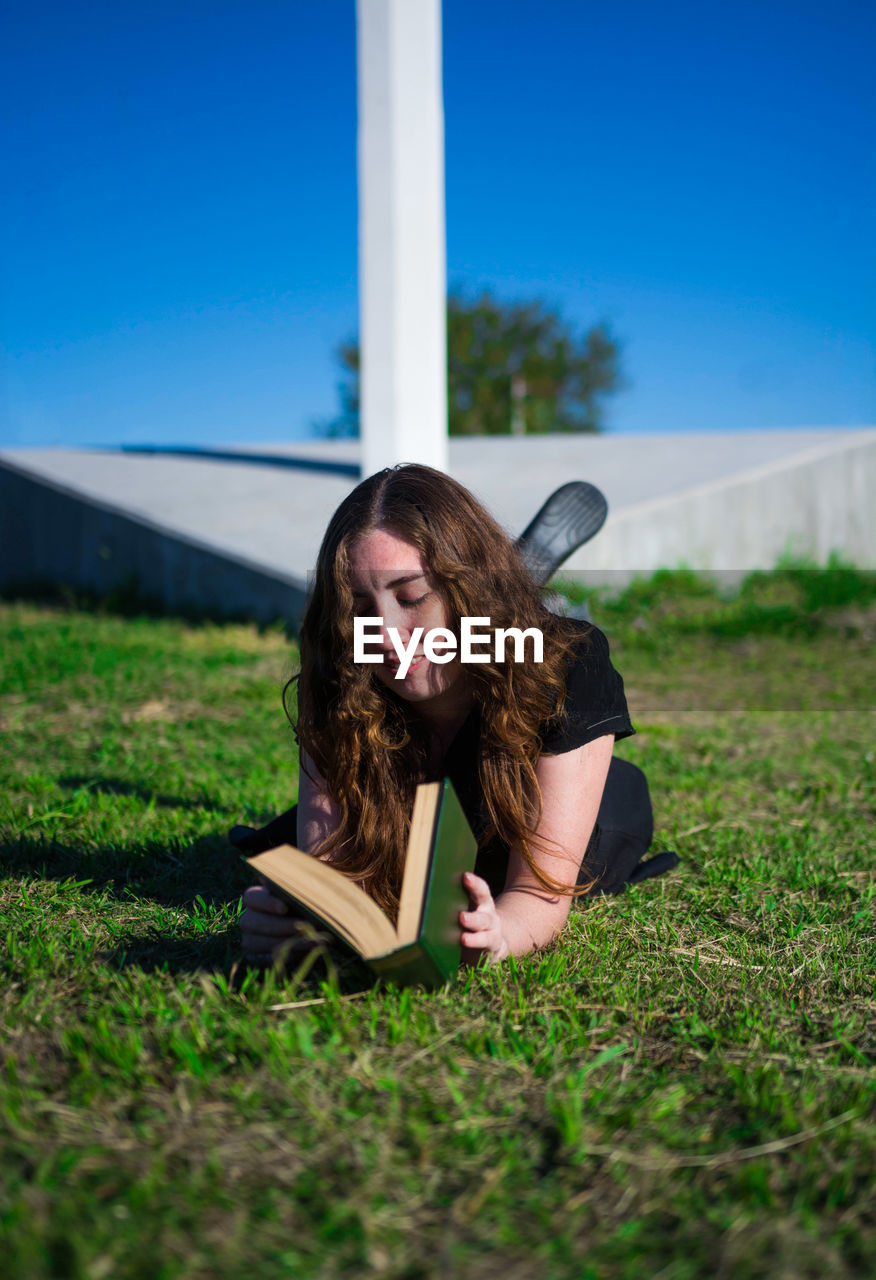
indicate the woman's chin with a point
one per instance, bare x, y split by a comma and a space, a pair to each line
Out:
417, 683
422, 680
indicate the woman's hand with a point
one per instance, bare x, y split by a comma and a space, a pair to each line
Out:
482, 936
269, 931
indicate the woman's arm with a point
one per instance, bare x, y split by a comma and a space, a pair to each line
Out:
266, 925
318, 815
525, 915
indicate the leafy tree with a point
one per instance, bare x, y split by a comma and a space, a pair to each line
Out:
347, 422
512, 368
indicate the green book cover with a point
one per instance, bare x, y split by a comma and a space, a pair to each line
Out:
435, 954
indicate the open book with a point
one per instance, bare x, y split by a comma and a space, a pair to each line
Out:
424, 946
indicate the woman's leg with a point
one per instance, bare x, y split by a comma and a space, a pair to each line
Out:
624, 829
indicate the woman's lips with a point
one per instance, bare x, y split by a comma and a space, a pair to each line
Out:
393, 663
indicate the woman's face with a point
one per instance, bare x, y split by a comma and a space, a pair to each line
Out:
391, 580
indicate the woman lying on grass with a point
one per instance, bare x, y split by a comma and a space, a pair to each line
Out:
527, 745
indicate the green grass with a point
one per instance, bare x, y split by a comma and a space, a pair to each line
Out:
682, 1086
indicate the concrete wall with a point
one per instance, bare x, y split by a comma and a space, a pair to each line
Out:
225, 540
53, 534
820, 502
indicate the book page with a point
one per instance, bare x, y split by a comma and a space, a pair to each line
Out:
330, 895
417, 860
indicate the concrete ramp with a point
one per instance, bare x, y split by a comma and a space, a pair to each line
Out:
236, 532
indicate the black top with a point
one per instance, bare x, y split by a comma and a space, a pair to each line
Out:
595, 699
595, 705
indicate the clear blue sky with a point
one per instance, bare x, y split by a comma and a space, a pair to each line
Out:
178, 226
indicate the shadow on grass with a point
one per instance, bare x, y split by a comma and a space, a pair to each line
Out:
209, 870
96, 785
116, 787
220, 953
206, 877
169, 953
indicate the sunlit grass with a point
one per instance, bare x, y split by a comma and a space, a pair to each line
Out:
682, 1086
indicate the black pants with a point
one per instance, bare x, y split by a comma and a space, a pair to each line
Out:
624, 828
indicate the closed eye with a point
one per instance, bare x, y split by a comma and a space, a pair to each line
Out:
411, 604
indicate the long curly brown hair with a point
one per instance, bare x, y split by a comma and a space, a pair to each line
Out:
369, 745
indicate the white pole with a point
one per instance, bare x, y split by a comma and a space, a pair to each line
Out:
402, 270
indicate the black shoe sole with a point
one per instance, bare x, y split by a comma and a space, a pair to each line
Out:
656, 866
571, 516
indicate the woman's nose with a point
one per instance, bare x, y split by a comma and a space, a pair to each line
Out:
394, 616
